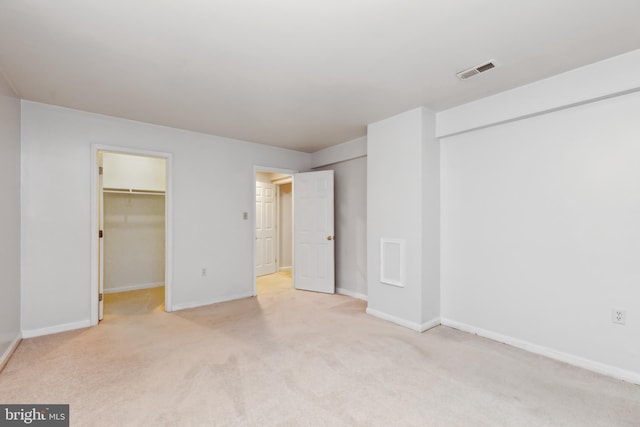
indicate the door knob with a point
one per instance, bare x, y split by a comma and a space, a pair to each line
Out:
330, 237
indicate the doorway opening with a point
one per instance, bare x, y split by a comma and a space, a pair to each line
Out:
312, 230
273, 231
131, 274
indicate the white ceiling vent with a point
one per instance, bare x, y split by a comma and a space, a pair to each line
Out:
470, 72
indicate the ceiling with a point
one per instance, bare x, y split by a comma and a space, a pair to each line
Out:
291, 73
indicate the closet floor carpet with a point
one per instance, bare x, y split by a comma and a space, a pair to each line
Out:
131, 303
294, 358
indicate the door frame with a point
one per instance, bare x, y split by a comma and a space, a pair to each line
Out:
168, 223
267, 169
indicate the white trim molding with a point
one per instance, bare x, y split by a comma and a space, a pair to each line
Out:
195, 304
347, 292
402, 322
430, 324
30, 333
580, 362
133, 287
9, 351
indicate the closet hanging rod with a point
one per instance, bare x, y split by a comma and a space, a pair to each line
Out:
133, 191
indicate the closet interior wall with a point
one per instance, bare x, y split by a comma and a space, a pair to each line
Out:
134, 241
134, 222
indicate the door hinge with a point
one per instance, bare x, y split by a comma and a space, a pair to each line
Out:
100, 170
100, 234
99, 297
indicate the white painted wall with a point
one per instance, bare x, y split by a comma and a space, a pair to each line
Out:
212, 185
130, 172
134, 241
9, 217
401, 182
353, 149
541, 232
350, 195
430, 220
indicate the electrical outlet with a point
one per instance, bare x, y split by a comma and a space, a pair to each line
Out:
618, 316
204, 272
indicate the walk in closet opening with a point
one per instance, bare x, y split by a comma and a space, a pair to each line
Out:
132, 234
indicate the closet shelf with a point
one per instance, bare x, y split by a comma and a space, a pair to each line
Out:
133, 191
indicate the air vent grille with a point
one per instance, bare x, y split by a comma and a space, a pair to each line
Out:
470, 72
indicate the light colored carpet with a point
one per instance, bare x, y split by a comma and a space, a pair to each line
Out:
273, 284
293, 358
131, 303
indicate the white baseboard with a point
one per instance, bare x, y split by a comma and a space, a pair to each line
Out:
580, 362
402, 322
430, 324
133, 287
30, 333
347, 292
9, 351
194, 304
288, 268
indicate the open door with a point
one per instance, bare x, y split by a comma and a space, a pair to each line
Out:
266, 228
100, 239
313, 232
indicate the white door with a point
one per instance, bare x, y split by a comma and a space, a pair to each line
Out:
313, 238
265, 228
100, 239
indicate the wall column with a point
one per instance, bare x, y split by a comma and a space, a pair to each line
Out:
403, 222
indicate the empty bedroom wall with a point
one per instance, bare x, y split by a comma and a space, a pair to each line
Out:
9, 218
213, 184
540, 230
